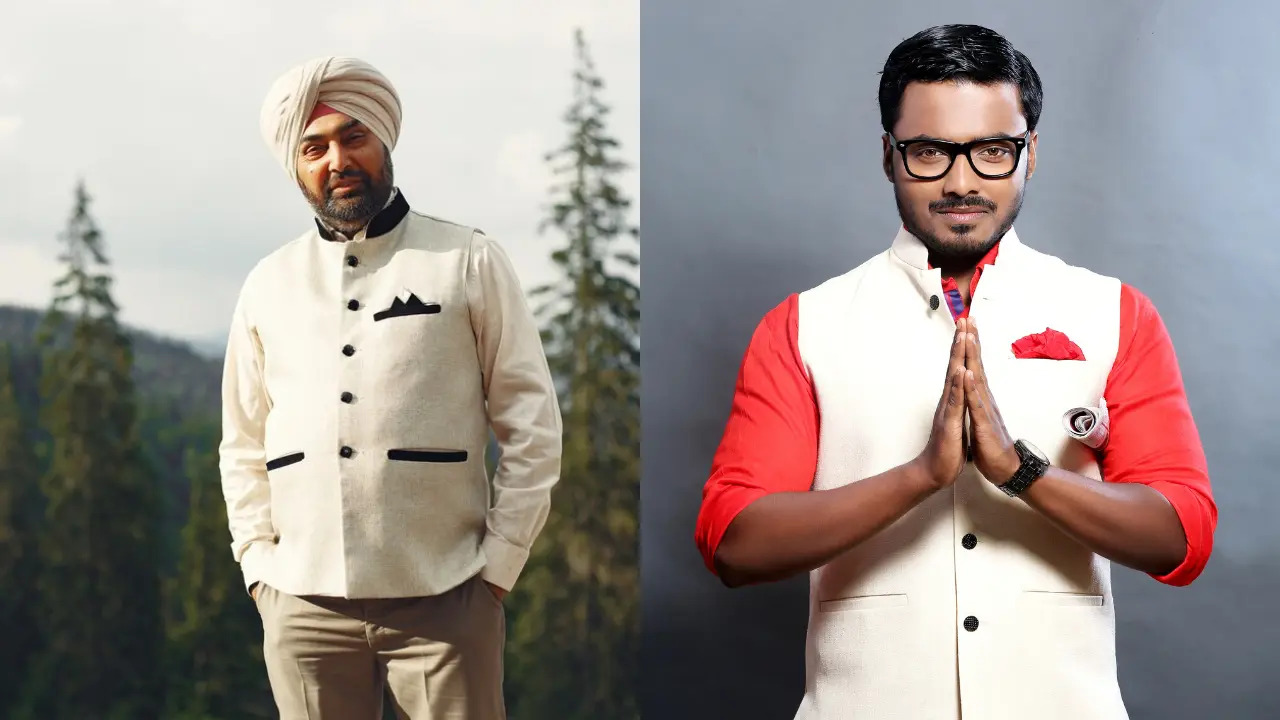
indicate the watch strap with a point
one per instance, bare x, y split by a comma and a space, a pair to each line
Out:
1030, 470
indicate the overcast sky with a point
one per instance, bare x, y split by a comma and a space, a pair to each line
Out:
156, 107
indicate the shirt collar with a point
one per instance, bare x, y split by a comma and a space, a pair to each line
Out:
384, 222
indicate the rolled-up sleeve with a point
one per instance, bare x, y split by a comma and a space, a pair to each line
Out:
770, 441
242, 455
523, 411
1154, 440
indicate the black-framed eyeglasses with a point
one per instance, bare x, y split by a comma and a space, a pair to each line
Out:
992, 158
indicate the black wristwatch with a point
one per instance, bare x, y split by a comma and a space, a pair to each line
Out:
1034, 464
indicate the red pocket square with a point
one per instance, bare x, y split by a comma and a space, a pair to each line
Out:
1047, 345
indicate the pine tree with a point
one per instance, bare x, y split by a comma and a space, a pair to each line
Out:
215, 660
19, 494
99, 584
575, 635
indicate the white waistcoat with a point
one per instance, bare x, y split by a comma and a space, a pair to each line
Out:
887, 636
355, 418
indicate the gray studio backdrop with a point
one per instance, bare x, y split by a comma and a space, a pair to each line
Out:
1159, 163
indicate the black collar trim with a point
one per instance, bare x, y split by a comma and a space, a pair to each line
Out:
381, 224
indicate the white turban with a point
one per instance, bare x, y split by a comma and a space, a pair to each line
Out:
350, 86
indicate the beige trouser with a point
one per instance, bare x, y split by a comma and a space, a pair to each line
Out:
330, 658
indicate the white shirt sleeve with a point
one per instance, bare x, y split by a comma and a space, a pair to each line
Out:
242, 455
523, 411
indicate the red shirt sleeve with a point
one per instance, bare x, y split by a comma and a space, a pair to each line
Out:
1154, 440
770, 442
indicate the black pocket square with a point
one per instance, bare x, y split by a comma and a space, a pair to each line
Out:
404, 308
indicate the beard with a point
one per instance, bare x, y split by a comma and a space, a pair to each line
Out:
353, 210
966, 248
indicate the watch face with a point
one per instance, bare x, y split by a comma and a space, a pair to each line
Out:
1034, 452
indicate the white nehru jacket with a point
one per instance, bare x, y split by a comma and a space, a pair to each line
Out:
360, 384
887, 634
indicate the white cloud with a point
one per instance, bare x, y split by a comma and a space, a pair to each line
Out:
519, 164
12, 82
9, 127
156, 107
27, 272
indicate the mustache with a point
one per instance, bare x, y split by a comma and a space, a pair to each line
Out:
363, 177
959, 203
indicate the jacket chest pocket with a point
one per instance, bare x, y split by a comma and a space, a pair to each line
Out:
1033, 395
412, 346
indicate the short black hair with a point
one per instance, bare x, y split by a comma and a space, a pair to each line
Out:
958, 53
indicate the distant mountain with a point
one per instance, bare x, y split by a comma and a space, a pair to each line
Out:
212, 348
167, 370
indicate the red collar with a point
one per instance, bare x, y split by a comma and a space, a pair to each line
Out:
949, 283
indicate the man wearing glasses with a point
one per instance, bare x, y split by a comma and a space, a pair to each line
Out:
956, 521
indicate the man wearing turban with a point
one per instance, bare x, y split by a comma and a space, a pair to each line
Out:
367, 363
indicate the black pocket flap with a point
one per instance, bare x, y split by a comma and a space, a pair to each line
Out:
430, 456
284, 461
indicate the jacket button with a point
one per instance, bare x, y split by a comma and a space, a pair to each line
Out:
352, 260
934, 302
969, 541
346, 452
347, 397
353, 305
971, 623
348, 350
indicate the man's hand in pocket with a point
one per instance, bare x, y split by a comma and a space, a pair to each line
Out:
497, 591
